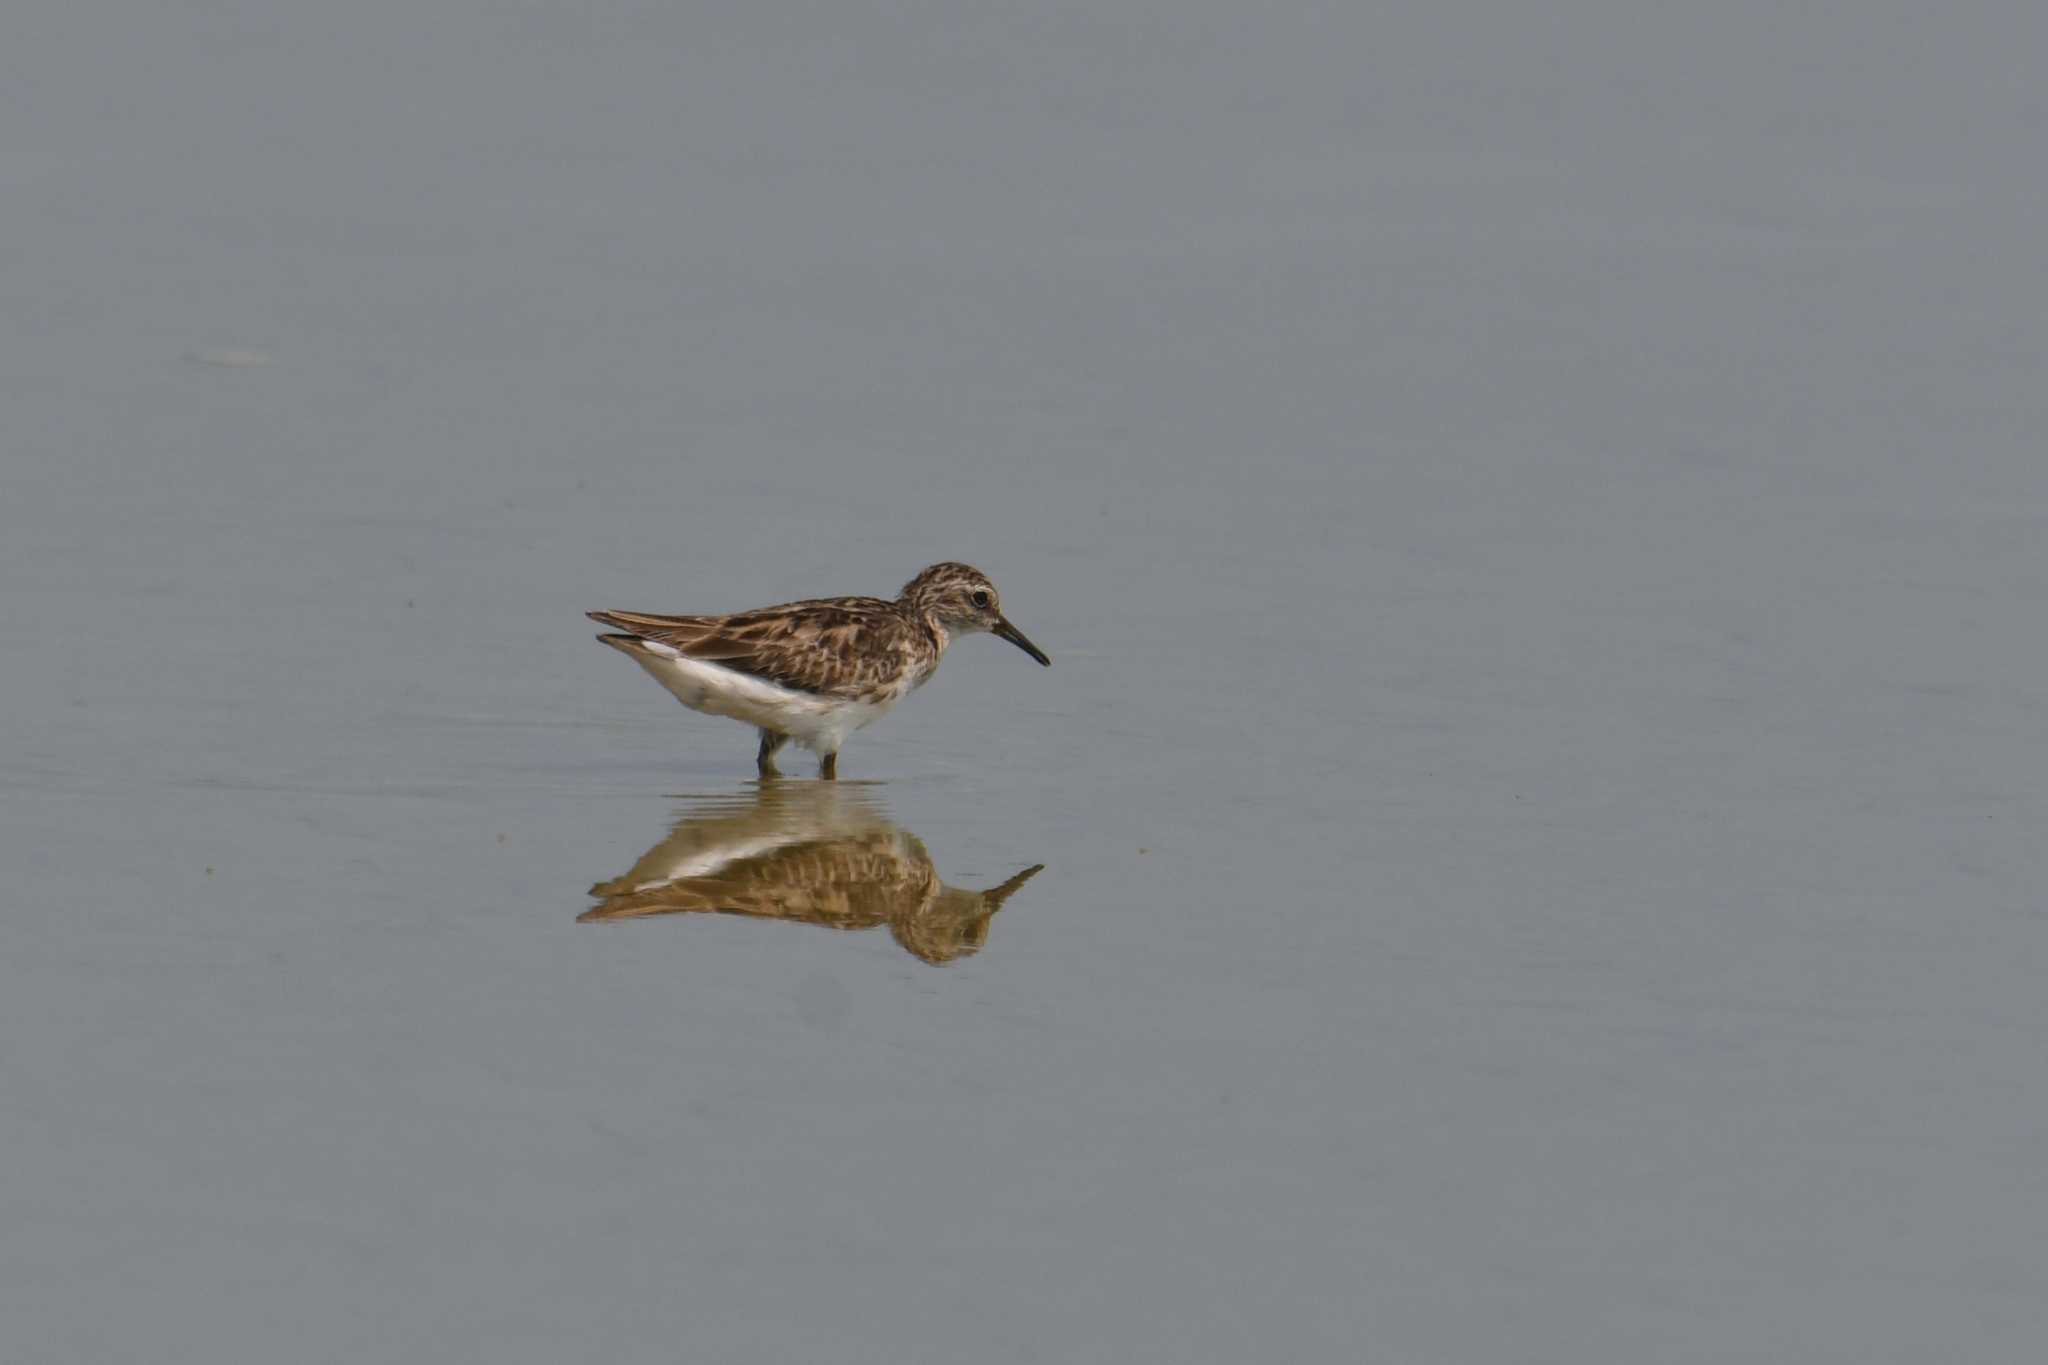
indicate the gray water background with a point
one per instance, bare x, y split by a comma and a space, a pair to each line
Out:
1537, 512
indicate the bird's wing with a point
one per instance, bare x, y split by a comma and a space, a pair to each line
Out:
811, 646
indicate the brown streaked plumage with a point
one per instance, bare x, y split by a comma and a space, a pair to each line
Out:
816, 670
813, 854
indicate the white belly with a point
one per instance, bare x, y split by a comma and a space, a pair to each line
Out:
820, 724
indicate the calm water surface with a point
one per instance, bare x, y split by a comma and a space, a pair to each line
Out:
1528, 850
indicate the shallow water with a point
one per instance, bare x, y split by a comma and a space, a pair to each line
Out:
1537, 521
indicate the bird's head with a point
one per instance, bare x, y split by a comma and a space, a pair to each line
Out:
963, 601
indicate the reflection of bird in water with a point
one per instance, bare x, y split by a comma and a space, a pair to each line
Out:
820, 853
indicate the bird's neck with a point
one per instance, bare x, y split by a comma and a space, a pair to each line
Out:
941, 637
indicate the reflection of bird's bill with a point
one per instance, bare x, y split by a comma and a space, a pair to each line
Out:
996, 895
1004, 630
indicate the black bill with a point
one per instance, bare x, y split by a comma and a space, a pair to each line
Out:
1015, 636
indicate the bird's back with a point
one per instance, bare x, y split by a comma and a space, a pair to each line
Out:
852, 648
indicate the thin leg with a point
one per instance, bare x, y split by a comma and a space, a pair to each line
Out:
765, 759
829, 768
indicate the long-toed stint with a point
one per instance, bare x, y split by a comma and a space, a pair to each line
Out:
817, 670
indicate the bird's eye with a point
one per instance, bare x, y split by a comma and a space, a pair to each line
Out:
980, 598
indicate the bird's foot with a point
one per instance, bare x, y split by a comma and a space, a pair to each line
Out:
764, 759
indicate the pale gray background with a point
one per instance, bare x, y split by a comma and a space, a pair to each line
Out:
1538, 513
